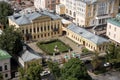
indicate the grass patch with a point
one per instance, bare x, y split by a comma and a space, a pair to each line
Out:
49, 46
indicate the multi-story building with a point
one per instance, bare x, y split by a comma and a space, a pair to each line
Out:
86, 38
87, 13
46, 4
37, 25
5, 66
113, 29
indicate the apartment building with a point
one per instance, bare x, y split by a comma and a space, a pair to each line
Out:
86, 38
37, 25
87, 13
113, 29
5, 66
46, 4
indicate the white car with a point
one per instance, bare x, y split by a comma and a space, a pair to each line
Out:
45, 73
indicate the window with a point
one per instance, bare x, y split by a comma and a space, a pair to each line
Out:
41, 29
34, 30
5, 67
38, 36
109, 33
37, 29
115, 29
109, 26
114, 35
48, 27
6, 75
0, 68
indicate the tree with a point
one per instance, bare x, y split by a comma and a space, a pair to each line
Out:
5, 11
75, 69
10, 40
113, 53
31, 73
96, 62
54, 68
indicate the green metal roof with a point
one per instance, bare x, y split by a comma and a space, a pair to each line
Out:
115, 21
4, 55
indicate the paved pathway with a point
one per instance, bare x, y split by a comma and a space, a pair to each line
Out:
112, 75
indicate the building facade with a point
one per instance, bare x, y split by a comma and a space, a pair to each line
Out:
46, 4
87, 13
37, 25
113, 29
5, 66
60, 9
86, 38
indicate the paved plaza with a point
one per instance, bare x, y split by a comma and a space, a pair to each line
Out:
112, 75
73, 45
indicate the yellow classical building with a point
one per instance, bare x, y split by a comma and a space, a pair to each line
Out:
86, 38
37, 25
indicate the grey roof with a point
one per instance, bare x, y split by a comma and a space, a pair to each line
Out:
86, 34
29, 55
27, 18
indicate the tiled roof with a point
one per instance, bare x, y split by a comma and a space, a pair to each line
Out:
27, 18
4, 55
86, 34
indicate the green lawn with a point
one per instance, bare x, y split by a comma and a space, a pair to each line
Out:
49, 46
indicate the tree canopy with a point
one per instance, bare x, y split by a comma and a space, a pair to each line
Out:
113, 53
31, 73
75, 69
5, 10
10, 40
54, 68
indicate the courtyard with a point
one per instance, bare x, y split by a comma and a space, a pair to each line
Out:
53, 46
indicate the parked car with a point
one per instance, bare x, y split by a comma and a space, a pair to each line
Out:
44, 73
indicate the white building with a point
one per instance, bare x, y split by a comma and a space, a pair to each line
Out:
90, 12
113, 29
5, 68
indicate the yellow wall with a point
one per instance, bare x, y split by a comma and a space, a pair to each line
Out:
40, 28
85, 42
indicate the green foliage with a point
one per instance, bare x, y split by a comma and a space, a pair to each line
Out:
70, 78
96, 62
113, 53
74, 68
31, 73
54, 68
5, 10
10, 40
49, 46
85, 50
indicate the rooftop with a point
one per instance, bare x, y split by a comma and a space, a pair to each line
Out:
86, 34
28, 55
27, 18
4, 55
115, 21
